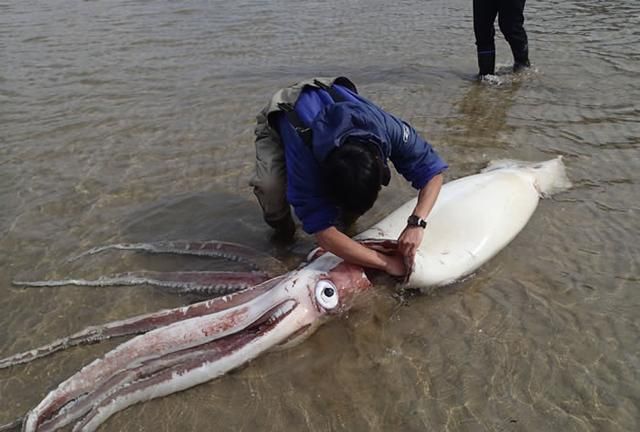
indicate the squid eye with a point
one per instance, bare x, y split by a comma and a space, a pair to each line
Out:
326, 294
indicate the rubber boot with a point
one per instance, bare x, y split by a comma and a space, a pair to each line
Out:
284, 228
486, 63
521, 60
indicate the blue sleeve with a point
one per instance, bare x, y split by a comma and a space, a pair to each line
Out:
411, 155
304, 188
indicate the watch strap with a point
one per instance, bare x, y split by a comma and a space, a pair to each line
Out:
417, 221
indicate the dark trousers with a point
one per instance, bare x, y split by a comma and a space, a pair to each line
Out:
511, 21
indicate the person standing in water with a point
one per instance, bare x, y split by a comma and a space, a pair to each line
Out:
510, 15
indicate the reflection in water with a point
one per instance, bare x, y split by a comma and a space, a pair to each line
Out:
484, 112
134, 123
481, 122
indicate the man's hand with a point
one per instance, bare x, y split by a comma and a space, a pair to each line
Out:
395, 265
409, 241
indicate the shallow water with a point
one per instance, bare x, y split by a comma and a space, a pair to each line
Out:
133, 121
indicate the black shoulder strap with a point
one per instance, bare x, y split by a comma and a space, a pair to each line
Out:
303, 130
335, 95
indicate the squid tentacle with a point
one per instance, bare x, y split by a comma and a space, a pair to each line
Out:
14, 425
134, 391
216, 249
79, 407
200, 282
135, 325
160, 376
232, 311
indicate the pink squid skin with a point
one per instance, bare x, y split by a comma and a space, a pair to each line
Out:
351, 280
155, 344
239, 328
221, 316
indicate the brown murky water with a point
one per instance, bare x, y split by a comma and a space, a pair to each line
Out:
132, 121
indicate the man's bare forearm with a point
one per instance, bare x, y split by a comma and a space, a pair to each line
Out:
353, 252
427, 196
411, 237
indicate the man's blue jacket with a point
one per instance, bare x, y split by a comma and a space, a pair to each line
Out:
331, 123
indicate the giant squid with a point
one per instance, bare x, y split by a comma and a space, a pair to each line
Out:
474, 218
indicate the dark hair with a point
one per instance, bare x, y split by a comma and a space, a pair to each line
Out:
353, 176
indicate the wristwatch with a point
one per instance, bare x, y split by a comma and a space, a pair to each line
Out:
417, 221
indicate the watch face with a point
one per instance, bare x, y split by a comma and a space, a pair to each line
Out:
416, 221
